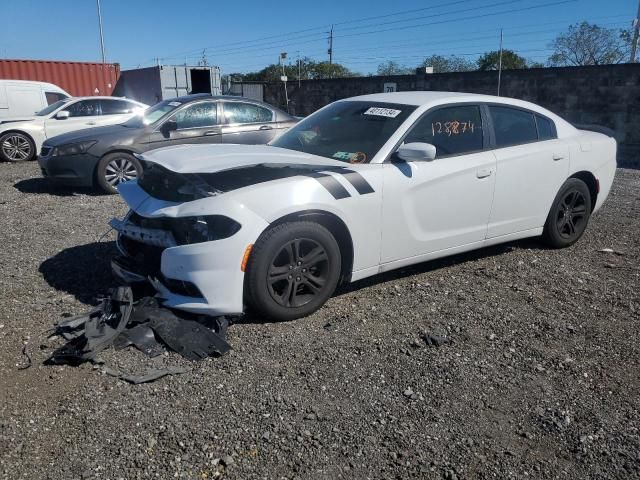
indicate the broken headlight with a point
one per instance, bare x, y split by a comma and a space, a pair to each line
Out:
200, 229
74, 148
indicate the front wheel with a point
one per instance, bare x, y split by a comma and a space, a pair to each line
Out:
16, 147
569, 214
293, 270
115, 168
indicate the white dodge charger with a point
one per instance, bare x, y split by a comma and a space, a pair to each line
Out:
362, 186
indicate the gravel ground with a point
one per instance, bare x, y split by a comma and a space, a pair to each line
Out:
539, 378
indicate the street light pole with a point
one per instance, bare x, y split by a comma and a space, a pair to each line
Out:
500, 64
101, 35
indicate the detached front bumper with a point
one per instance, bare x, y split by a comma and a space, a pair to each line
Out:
203, 278
73, 170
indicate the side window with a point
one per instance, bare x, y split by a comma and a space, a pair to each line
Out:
513, 126
53, 97
238, 112
546, 130
84, 108
197, 115
116, 107
452, 130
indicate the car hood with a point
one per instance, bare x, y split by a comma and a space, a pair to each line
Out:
216, 158
189, 172
109, 132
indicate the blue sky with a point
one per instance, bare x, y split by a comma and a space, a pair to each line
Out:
247, 35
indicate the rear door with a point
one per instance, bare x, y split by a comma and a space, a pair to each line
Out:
247, 123
197, 122
532, 164
82, 114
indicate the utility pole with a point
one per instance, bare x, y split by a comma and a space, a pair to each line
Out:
331, 46
101, 35
500, 64
282, 58
636, 34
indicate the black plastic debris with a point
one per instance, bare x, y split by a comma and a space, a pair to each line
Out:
150, 376
120, 322
88, 335
435, 340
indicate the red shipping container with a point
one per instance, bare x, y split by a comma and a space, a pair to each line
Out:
77, 78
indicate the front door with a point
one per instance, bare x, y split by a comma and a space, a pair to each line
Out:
82, 114
196, 123
532, 166
444, 203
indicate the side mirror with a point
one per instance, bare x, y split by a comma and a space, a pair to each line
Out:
168, 127
63, 115
416, 152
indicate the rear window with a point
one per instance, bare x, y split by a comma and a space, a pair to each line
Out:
513, 126
546, 130
117, 107
237, 112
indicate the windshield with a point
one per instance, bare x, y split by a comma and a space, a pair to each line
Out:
53, 107
153, 114
352, 132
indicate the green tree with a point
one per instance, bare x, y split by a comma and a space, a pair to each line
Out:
309, 70
393, 68
510, 61
452, 63
588, 44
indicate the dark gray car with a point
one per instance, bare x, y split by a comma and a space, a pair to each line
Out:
104, 156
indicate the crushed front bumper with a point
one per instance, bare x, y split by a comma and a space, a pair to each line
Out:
203, 278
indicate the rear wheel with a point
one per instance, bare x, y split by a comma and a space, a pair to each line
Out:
293, 269
569, 214
16, 147
116, 168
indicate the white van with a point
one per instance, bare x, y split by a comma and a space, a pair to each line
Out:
22, 98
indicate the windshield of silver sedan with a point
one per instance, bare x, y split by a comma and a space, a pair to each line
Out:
351, 131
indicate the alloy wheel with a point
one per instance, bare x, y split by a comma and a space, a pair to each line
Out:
571, 214
120, 170
298, 272
16, 148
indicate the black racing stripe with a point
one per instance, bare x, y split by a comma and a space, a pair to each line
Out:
330, 183
358, 181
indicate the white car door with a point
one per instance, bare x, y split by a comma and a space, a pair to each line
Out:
532, 165
443, 203
82, 114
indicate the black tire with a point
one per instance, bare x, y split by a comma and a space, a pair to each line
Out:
283, 280
17, 147
115, 168
569, 214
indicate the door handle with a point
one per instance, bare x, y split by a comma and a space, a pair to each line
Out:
557, 156
90, 123
265, 127
483, 172
212, 132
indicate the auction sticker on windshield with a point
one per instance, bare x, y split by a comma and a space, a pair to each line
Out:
175, 104
383, 112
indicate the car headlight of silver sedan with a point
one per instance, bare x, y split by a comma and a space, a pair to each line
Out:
74, 148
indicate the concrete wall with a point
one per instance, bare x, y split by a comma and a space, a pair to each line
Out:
607, 95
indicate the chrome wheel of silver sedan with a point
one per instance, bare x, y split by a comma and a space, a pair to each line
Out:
120, 170
16, 147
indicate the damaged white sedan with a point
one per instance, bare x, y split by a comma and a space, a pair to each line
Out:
364, 185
